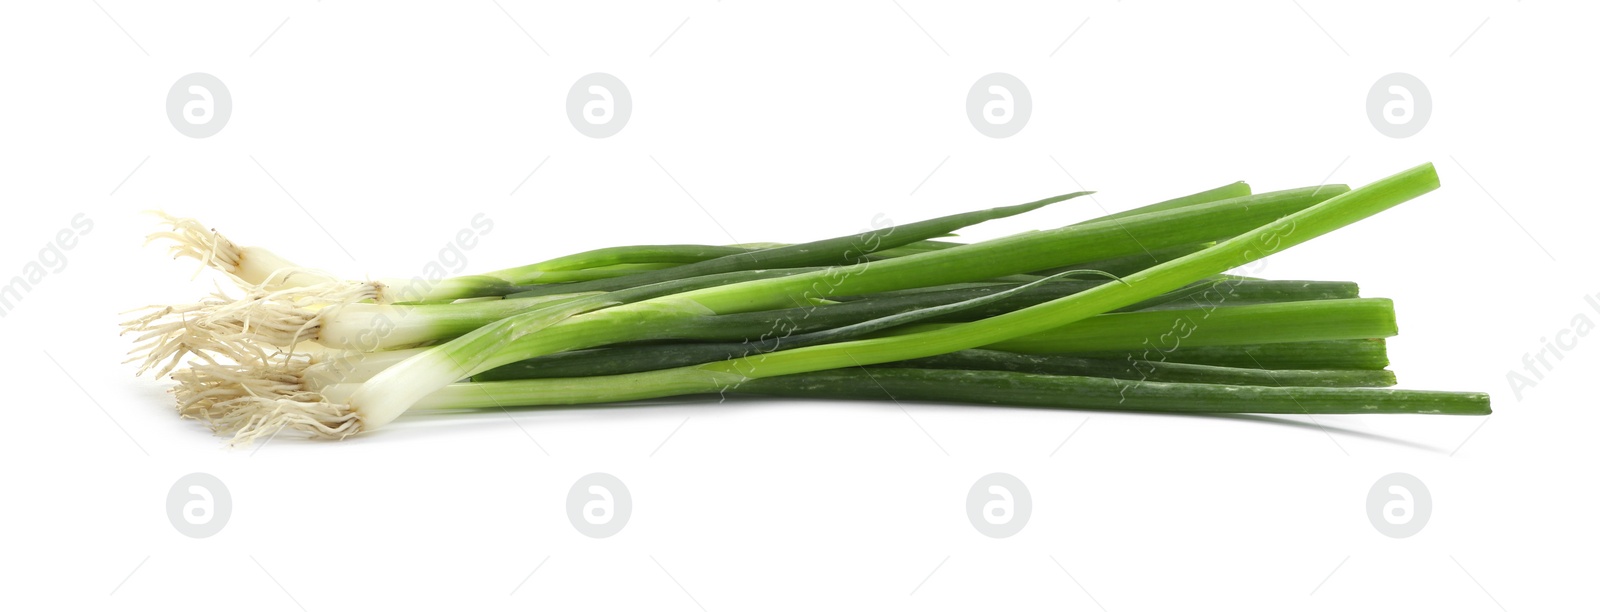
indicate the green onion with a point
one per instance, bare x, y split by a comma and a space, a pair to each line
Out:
1155, 334
1047, 391
896, 312
282, 316
979, 387
387, 395
629, 360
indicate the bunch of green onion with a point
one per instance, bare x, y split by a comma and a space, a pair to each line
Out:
1132, 311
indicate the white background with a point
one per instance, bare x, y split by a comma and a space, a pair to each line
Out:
392, 124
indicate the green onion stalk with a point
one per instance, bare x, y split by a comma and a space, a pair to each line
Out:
815, 371
261, 268
1160, 332
269, 323
205, 386
749, 325
628, 360
1248, 228
279, 312
1366, 354
263, 325
1269, 396
272, 320
1077, 392
1154, 335
253, 267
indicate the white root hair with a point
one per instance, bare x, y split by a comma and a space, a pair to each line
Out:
249, 267
247, 330
260, 400
191, 239
205, 383
246, 378
253, 418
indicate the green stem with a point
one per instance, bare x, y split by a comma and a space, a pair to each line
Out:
622, 255
914, 248
1020, 253
629, 360
1166, 330
595, 273
389, 394
1271, 237
611, 262
1150, 371
752, 325
1331, 354
977, 387
508, 340
852, 249
1156, 335
1128, 264
1237, 189
1080, 392
1235, 291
